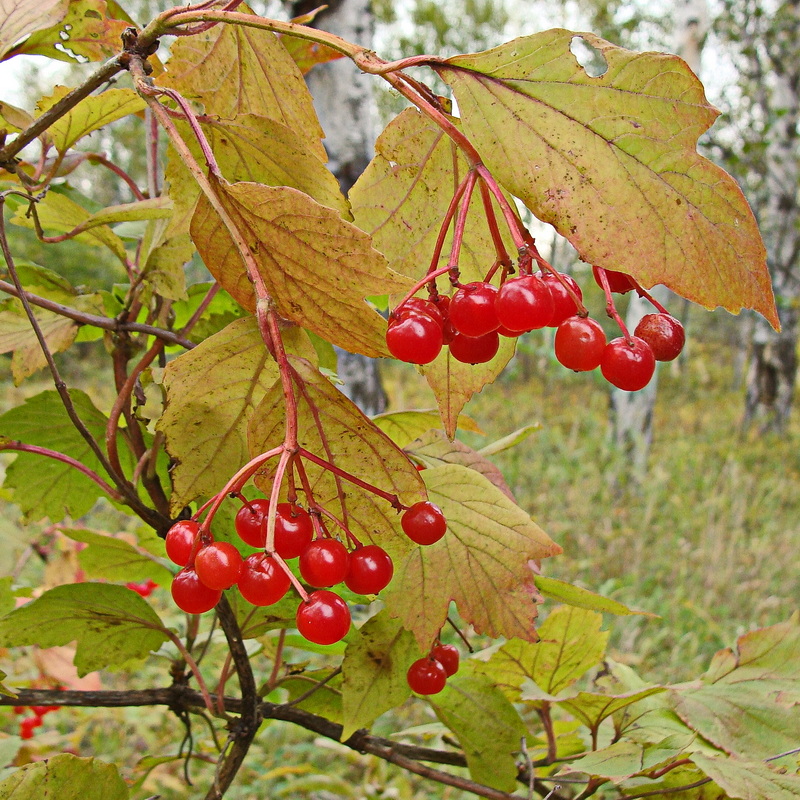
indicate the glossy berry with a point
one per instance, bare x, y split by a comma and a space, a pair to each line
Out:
448, 656
324, 618
218, 565
262, 580
564, 306
663, 333
414, 338
628, 366
472, 309
524, 303
426, 676
579, 343
424, 522
618, 282
370, 570
422, 306
143, 588
293, 530
179, 541
191, 594
324, 563
250, 522
475, 349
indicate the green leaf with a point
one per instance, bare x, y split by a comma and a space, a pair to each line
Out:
325, 701
509, 441
154, 208
114, 559
592, 708
235, 71
748, 702
749, 780
164, 259
570, 643
20, 18
88, 31
434, 449
482, 563
66, 777
617, 761
332, 427
317, 267
374, 671
488, 728
611, 163
42, 486
572, 595
403, 427
112, 625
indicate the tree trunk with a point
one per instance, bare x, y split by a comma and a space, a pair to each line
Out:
344, 103
773, 367
632, 412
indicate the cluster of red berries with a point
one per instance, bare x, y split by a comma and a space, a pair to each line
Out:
324, 618
28, 724
472, 321
429, 674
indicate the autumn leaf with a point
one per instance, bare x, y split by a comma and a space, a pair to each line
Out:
19, 18
611, 162
317, 267
402, 427
749, 779
308, 54
333, 428
482, 563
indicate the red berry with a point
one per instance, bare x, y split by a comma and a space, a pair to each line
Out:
472, 310
628, 366
421, 306
663, 333
19, 709
143, 588
502, 331
324, 562
293, 530
426, 676
475, 349
618, 282
218, 565
563, 304
524, 303
579, 343
448, 656
180, 540
250, 522
414, 338
27, 725
324, 618
262, 580
370, 570
191, 594
424, 522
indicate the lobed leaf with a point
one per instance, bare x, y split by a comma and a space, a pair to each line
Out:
307, 54
374, 672
482, 563
111, 624
19, 18
748, 779
317, 268
591, 708
402, 427
611, 162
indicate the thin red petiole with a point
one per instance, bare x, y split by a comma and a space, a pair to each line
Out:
647, 296
418, 285
347, 532
461, 219
611, 309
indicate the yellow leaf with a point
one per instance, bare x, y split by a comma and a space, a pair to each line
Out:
18, 18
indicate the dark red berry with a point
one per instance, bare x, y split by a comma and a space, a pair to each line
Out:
628, 366
618, 282
448, 656
472, 309
191, 594
426, 676
663, 333
564, 306
414, 338
293, 530
475, 349
421, 306
262, 580
424, 522
324, 562
250, 522
27, 725
218, 565
324, 618
524, 303
370, 570
579, 343
179, 541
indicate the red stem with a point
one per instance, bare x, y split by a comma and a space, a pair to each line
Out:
418, 285
461, 219
99, 158
494, 231
611, 309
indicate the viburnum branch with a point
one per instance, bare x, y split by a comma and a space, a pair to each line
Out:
201, 309
192, 664
44, 451
274, 496
549, 732
611, 309
99, 158
153, 167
